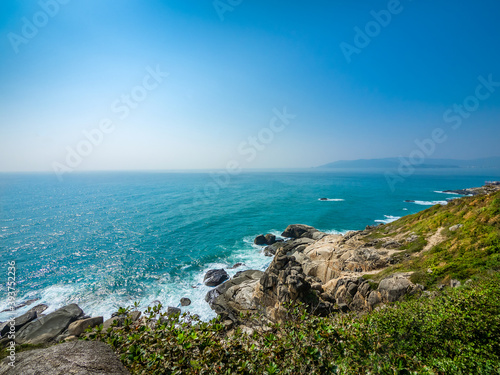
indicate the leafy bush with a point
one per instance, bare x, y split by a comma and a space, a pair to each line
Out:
457, 332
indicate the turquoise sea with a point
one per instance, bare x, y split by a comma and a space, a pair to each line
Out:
104, 240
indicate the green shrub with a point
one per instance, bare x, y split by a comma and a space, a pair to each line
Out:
457, 332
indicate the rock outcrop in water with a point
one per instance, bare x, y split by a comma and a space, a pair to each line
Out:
323, 271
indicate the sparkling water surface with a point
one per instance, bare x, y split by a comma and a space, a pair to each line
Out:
105, 240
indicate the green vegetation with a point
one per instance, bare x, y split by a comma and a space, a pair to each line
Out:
457, 332
467, 251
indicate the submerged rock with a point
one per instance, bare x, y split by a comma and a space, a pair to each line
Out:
215, 277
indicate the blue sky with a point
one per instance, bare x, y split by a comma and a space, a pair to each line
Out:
231, 66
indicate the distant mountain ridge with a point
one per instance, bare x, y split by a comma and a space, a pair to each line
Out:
492, 162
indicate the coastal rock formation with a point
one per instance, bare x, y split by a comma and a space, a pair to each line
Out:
235, 295
302, 231
267, 239
19, 322
215, 277
489, 187
49, 327
185, 301
77, 358
325, 272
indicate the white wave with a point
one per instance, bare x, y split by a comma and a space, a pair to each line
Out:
388, 219
445, 192
331, 200
429, 203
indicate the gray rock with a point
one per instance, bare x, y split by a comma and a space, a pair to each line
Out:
78, 327
235, 295
267, 239
374, 298
119, 319
270, 238
271, 250
260, 240
173, 310
19, 322
455, 283
455, 227
299, 231
215, 277
236, 265
49, 327
75, 358
394, 288
39, 309
185, 301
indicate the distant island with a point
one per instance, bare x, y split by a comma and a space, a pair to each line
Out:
492, 162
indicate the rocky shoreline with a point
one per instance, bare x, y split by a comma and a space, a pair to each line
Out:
327, 273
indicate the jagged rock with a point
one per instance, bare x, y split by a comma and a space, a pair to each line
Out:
299, 231
272, 249
77, 358
267, 239
19, 322
260, 240
235, 295
78, 327
39, 309
49, 327
26, 303
215, 277
185, 301
236, 265
270, 238
394, 287
455, 283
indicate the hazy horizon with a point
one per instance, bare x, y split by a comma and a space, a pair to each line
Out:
176, 85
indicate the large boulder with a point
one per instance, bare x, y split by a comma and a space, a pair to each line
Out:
215, 277
78, 327
235, 296
75, 358
47, 328
393, 288
303, 231
267, 239
19, 322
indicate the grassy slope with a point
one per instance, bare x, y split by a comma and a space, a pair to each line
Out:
468, 251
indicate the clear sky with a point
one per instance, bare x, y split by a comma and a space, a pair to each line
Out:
350, 79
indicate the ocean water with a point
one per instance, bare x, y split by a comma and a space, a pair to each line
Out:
105, 240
